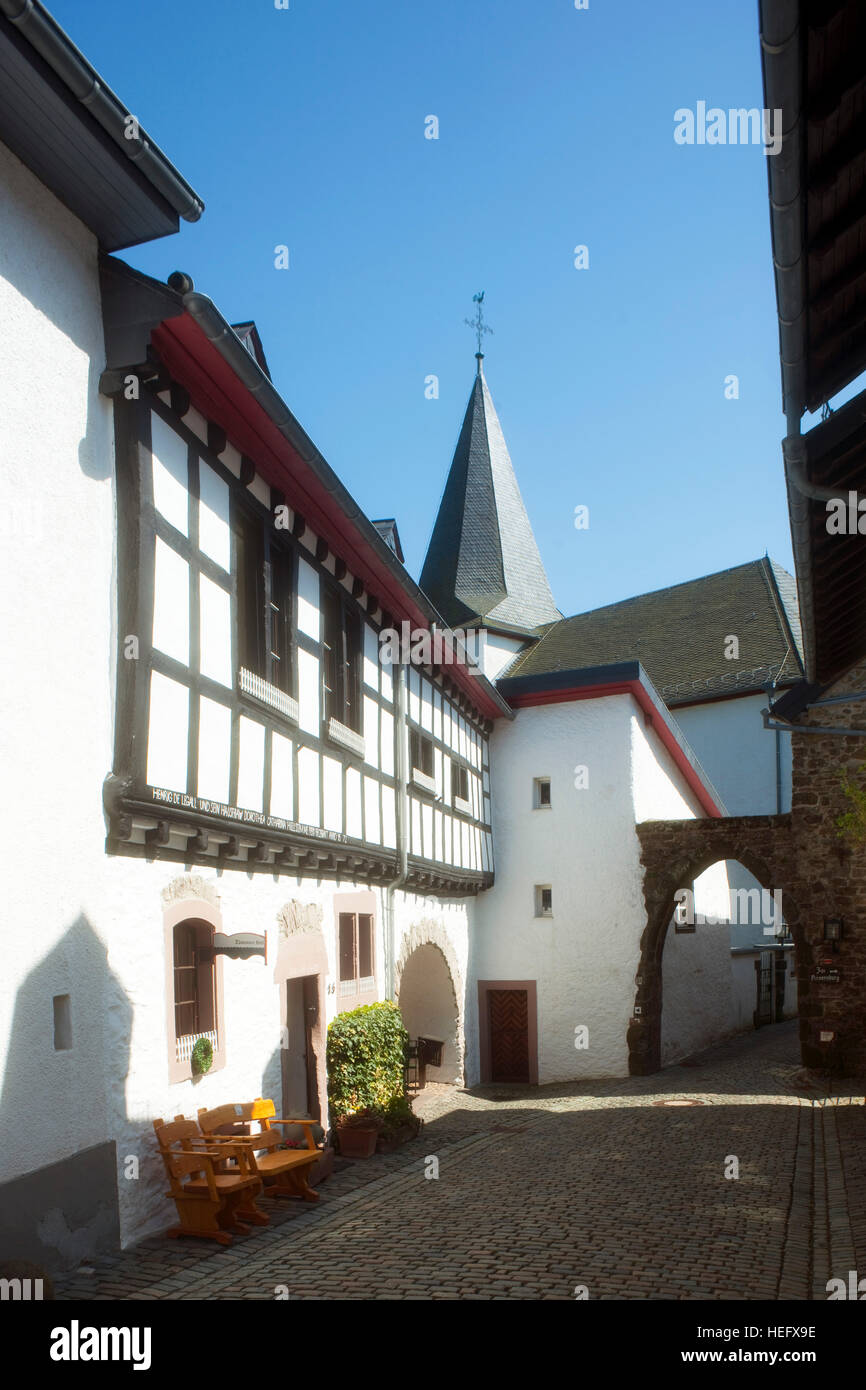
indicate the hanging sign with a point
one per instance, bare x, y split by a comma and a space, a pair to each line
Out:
240, 946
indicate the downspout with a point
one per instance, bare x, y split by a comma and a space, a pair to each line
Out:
402, 823
800, 492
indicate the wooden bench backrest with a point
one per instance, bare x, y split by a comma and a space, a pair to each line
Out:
212, 1120
174, 1145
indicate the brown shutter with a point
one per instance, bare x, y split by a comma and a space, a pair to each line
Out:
365, 946
347, 946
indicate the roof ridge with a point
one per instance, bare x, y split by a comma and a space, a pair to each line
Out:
667, 589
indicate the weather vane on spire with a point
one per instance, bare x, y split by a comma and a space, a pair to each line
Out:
478, 322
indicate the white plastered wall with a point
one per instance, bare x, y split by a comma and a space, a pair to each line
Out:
56, 586
585, 956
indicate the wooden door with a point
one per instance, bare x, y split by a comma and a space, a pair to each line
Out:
295, 1076
509, 1034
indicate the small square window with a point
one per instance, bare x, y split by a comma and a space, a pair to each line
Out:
543, 900
541, 793
62, 1023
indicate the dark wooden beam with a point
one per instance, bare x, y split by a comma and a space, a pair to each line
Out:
216, 438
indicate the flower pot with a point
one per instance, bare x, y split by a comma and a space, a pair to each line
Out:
356, 1142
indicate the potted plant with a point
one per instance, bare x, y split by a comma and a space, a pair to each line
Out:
365, 1059
357, 1133
400, 1124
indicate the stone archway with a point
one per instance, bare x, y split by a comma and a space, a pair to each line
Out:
674, 854
429, 992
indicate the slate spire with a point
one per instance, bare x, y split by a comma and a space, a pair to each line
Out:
482, 561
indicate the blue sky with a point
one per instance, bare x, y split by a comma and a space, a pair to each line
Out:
306, 127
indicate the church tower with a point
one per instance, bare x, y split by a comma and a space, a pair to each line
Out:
483, 567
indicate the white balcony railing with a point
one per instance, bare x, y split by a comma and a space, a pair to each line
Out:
186, 1044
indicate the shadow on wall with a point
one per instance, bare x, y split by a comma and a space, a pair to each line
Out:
63, 1086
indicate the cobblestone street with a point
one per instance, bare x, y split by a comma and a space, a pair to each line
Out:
619, 1187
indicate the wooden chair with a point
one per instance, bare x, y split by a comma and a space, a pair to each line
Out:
209, 1203
285, 1170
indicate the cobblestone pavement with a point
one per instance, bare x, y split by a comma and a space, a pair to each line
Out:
616, 1186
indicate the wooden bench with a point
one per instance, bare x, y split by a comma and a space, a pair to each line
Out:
209, 1203
285, 1170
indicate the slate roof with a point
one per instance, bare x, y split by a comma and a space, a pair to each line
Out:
483, 561
678, 635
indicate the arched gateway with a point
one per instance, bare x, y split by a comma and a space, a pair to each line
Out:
674, 854
430, 995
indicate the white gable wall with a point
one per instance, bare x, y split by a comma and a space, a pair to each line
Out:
56, 586
738, 753
585, 956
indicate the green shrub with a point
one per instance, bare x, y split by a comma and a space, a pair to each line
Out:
852, 824
365, 1058
201, 1057
399, 1114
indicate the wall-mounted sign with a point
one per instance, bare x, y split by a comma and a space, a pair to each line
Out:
826, 975
240, 946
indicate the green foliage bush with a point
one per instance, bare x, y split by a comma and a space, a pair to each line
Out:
201, 1057
365, 1053
852, 824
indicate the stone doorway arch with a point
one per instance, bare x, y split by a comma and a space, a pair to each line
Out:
429, 992
674, 854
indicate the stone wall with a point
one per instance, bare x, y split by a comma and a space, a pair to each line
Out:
833, 878
819, 874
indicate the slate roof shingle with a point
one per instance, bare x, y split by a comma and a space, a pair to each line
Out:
678, 634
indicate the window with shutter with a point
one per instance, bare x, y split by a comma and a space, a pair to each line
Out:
347, 947
365, 946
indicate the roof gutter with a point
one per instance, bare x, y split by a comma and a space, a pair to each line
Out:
44, 34
785, 728
223, 337
782, 63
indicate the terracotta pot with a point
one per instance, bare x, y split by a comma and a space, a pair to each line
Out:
356, 1142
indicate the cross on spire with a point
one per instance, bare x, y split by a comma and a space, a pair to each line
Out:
478, 324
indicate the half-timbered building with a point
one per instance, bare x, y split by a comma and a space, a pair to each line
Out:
236, 805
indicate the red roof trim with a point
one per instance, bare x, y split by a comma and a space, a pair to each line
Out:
220, 396
649, 707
